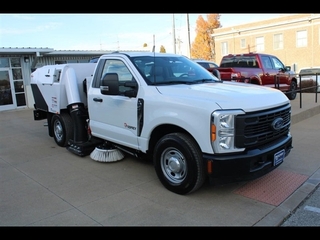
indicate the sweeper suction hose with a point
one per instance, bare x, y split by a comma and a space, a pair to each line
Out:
79, 117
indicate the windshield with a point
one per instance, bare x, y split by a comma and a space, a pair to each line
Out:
171, 70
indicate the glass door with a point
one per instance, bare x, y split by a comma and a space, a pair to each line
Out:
7, 99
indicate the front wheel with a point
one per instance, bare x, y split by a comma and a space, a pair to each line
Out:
178, 163
62, 128
292, 93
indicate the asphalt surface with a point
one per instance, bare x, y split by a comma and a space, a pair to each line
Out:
307, 214
45, 185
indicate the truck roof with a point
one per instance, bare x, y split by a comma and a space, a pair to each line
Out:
138, 54
248, 54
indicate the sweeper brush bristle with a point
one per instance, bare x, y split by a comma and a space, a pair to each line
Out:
106, 153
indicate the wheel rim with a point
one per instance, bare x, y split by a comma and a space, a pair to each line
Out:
58, 130
173, 165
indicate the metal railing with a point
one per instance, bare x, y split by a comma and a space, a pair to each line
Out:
309, 73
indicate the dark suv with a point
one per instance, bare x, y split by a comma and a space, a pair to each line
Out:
209, 65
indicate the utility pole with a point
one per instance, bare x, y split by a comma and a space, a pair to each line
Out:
179, 44
189, 44
154, 43
174, 34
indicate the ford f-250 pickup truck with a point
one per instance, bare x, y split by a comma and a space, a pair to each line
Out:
261, 69
168, 109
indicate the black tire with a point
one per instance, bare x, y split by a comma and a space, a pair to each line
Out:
292, 93
178, 163
62, 128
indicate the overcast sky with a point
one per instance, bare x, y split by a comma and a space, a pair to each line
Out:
106, 31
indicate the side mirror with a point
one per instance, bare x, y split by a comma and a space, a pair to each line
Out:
110, 84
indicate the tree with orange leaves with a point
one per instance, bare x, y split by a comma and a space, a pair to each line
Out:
162, 49
203, 46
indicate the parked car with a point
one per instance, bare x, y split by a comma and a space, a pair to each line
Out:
310, 73
209, 65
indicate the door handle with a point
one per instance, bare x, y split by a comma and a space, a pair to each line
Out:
97, 99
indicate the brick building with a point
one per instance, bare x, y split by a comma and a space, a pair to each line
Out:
295, 39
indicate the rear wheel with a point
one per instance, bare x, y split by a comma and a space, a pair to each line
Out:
62, 128
292, 93
178, 163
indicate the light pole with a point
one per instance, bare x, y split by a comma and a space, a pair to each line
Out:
174, 34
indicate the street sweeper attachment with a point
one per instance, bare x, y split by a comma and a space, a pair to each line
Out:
106, 153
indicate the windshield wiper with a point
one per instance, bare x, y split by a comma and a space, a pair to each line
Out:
206, 80
176, 82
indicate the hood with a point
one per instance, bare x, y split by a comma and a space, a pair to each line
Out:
228, 95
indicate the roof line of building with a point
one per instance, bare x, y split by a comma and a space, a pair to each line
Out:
50, 51
309, 19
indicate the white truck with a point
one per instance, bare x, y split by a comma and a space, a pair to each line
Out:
168, 109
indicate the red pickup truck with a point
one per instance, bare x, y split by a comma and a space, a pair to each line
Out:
261, 69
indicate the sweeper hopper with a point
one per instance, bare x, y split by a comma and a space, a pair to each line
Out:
57, 86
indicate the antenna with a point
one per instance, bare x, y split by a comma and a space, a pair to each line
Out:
154, 59
174, 33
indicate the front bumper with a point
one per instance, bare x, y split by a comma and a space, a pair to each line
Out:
248, 165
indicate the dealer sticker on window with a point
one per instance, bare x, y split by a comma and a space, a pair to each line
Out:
278, 157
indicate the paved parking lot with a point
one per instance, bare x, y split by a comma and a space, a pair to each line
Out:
45, 185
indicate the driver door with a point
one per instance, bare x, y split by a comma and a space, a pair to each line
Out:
113, 117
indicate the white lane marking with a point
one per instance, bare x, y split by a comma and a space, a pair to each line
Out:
312, 209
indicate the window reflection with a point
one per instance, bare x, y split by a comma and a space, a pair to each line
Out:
17, 74
21, 99
15, 62
4, 62
18, 86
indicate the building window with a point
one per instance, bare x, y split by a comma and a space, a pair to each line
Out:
60, 62
302, 38
224, 48
260, 44
278, 41
4, 62
71, 61
243, 43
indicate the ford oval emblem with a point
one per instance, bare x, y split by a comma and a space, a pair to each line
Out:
277, 124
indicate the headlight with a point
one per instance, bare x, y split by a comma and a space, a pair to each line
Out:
223, 131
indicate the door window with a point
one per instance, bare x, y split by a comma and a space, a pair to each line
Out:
124, 75
18, 81
277, 64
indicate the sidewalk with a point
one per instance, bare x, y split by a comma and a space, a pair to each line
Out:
305, 106
45, 185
